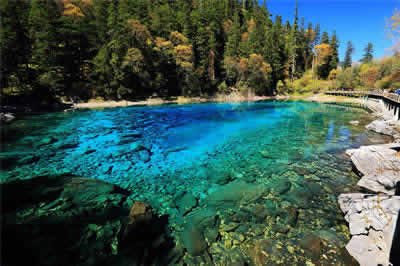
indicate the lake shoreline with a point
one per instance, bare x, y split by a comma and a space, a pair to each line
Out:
179, 100
371, 237
192, 100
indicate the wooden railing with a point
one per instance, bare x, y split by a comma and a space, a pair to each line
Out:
377, 93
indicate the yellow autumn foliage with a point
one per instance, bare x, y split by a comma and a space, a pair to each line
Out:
322, 51
71, 10
178, 38
74, 8
183, 54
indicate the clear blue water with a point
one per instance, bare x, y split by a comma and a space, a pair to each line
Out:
161, 152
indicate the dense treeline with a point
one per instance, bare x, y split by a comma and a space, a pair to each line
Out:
137, 48
383, 73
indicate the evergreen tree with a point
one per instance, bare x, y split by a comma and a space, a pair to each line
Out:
348, 57
232, 45
42, 33
100, 21
334, 43
293, 43
14, 42
325, 38
317, 32
368, 55
275, 52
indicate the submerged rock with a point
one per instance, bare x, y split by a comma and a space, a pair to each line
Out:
69, 220
289, 216
312, 244
194, 241
46, 141
186, 203
194, 230
282, 186
236, 193
39, 210
135, 147
144, 155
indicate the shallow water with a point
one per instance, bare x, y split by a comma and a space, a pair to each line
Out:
291, 154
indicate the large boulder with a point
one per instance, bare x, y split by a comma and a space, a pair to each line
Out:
372, 221
385, 127
379, 166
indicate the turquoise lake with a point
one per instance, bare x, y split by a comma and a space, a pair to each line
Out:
271, 170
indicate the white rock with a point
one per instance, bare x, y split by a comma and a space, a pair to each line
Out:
379, 166
372, 228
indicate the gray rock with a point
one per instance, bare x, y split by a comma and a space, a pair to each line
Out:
385, 127
379, 166
372, 220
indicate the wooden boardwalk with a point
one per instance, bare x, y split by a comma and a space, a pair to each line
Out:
392, 97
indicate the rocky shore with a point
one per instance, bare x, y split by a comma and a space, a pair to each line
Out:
372, 216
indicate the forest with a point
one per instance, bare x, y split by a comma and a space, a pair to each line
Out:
129, 49
132, 49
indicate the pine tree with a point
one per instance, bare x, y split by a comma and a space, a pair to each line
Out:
14, 40
368, 55
275, 52
42, 33
325, 38
348, 57
334, 43
100, 16
112, 18
317, 37
232, 45
293, 43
